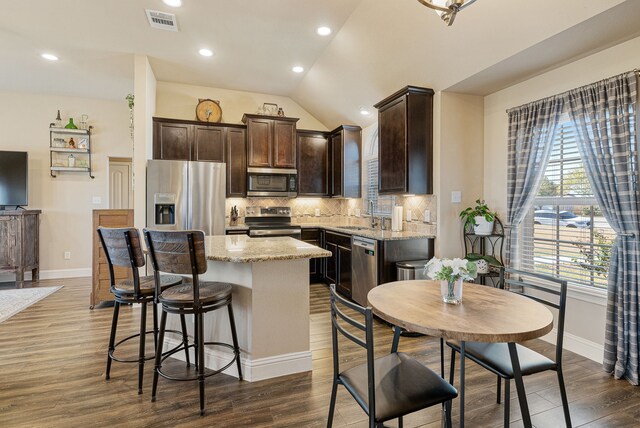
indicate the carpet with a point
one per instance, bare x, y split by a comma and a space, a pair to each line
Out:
16, 300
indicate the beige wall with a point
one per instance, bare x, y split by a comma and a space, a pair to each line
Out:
458, 163
65, 201
585, 312
177, 100
144, 110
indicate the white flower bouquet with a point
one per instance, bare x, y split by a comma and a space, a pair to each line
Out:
451, 273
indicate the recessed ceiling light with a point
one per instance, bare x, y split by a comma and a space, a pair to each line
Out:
205, 52
173, 3
49, 57
323, 31
364, 111
297, 69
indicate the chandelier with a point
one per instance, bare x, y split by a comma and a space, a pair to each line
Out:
447, 9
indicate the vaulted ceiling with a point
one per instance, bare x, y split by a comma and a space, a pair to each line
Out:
377, 46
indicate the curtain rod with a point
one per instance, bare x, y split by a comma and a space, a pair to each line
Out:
562, 94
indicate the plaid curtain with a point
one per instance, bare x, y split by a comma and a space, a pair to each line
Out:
604, 114
531, 130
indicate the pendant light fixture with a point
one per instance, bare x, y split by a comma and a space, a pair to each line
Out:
447, 9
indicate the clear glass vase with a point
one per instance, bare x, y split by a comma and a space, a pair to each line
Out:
451, 291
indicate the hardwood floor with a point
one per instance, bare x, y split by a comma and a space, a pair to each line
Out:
53, 354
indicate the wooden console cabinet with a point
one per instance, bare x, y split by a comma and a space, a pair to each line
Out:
101, 281
20, 243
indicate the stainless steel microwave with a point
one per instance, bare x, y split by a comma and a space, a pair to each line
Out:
272, 182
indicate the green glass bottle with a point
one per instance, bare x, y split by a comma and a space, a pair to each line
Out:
71, 125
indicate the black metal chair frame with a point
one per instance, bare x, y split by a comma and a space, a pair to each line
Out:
137, 298
197, 309
560, 291
368, 404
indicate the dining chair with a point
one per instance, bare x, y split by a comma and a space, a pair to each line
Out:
122, 247
387, 387
495, 357
183, 252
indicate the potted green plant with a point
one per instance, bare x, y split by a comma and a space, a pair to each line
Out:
483, 263
480, 217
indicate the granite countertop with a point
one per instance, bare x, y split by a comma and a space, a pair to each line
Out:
242, 249
381, 235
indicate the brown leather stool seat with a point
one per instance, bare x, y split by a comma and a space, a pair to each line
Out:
210, 292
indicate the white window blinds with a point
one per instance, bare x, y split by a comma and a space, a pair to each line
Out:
565, 233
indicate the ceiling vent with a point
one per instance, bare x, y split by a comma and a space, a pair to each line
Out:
162, 20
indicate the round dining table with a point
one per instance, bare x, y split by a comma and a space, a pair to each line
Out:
486, 314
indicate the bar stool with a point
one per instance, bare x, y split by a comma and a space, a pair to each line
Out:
122, 248
182, 252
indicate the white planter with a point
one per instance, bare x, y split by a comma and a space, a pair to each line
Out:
483, 227
482, 266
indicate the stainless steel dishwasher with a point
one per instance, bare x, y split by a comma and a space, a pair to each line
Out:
364, 268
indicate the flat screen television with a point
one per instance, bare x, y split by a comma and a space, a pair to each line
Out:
14, 181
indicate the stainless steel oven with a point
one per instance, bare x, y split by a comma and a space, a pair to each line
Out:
269, 222
272, 182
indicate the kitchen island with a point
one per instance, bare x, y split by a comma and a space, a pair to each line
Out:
270, 304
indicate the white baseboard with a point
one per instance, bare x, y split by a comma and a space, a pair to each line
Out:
50, 274
252, 370
583, 347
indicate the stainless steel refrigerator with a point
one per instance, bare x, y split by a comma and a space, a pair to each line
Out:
186, 195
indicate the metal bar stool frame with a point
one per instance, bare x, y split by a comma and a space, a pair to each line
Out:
131, 235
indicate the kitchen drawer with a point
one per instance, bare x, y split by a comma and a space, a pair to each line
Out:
311, 234
338, 239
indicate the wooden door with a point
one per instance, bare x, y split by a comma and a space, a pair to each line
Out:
284, 144
344, 267
331, 264
208, 143
336, 164
392, 147
171, 141
259, 141
313, 164
236, 162
120, 184
9, 236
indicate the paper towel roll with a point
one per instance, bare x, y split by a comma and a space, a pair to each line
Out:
396, 219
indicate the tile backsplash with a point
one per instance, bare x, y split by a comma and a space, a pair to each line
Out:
304, 209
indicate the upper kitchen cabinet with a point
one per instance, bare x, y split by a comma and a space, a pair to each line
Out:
171, 139
346, 161
208, 143
236, 158
405, 142
175, 139
271, 141
313, 163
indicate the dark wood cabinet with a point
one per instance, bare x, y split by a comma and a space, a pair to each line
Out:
405, 142
208, 143
312, 236
175, 139
346, 161
171, 140
338, 266
20, 249
313, 163
236, 158
271, 141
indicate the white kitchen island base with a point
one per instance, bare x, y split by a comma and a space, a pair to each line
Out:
271, 310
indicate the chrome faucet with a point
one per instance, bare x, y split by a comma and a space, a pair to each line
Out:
373, 219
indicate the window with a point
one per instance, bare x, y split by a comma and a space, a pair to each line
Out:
565, 233
381, 204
